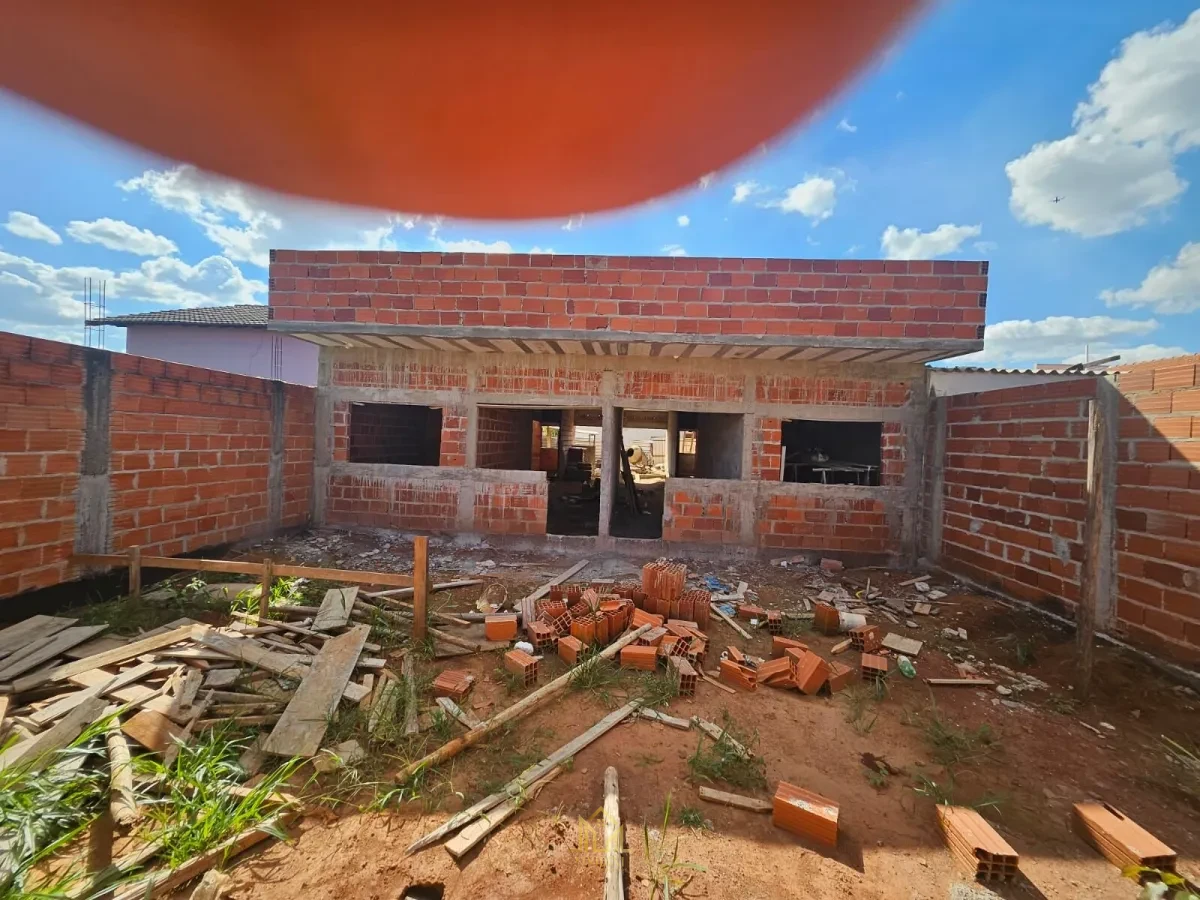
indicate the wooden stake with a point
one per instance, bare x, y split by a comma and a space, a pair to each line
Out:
516, 711
135, 572
268, 578
614, 882
411, 725
244, 567
420, 586
1095, 578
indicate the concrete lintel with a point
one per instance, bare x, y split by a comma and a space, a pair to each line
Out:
459, 474
933, 345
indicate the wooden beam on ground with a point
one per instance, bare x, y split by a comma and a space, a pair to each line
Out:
108, 658
411, 725
122, 800
440, 616
655, 716
479, 830
517, 710
527, 603
614, 883
397, 593
523, 781
728, 621
244, 567
59, 708
50, 648
420, 587
464, 718
38, 751
100, 842
753, 804
960, 682
302, 726
385, 698
335, 608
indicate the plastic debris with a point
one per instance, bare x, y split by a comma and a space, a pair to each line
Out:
907, 669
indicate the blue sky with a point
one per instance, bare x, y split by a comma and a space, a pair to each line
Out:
953, 145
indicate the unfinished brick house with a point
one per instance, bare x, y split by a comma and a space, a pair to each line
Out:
791, 393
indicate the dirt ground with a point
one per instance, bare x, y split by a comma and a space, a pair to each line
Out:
1047, 752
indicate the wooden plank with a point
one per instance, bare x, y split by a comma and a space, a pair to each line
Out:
104, 684
614, 883
411, 726
655, 716
434, 614
716, 732
523, 781
335, 608
301, 729
420, 587
4, 701
479, 830
728, 621
52, 647
465, 718
37, 752
184, 696
752, 804
960, 682
34, 628
1096, 575
388, 695
109, 658
397, 593
245, 567
528, 602
517, 710
912, 581
152, 730
135, 572
726, 688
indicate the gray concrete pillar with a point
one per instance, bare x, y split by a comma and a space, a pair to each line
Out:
323, 436
93, 517
935, 484
610, 464
566, 433
275, 462
672, 443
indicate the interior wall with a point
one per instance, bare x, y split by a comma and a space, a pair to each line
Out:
719, 445
505, 439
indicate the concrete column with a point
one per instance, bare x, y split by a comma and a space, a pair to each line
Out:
93, 517
915, 423
610, 464
275, 462
935, 485
1104, 504
566, 433
672, 443
472, 435
323, 436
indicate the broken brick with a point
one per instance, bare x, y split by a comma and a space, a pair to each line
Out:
641, 617
832, 565
840, 675
775, 672
738, 676
805, 813
826, 619
735, 654
780, 645
500, 627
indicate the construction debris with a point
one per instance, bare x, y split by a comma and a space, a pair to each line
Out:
752, 804
901, 644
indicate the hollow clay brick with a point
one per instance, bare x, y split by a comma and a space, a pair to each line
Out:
501, 627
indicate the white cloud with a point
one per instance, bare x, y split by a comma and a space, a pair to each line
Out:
574, 223
744, 190
985, 246
117, 235
29, 226
1168, 288
1118, 166
814, 197
1022, 342
542, 250
683, 221
706, 181
910, 243
844, 125
468, 245
673, 250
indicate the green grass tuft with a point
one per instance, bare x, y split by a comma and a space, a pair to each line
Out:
721, 760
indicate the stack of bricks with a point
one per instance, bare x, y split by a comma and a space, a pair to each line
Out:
685, 675
453, 683
776, 672
554, 613
698, 602
637, 656
583, 629
806, 814
641, 617
522, 664
541, 635
662, 580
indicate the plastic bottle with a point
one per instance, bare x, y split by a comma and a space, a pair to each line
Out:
907, 669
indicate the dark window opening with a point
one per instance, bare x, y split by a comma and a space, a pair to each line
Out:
395, 433
816, 452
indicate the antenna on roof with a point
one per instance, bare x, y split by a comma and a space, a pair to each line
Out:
95, 309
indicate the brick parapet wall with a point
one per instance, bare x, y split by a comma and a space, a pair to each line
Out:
849, 521
1158, 505
181, 457
1015, 472
916, 299
702, 511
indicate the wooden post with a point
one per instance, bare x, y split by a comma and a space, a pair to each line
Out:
1096, 571
268, 578
614, 883
420, 586
100, 842
135, 572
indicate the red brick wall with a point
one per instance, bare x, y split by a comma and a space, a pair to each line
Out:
389, 370
662, 295
1158, 506
402, 504
190, 450
41, 435
504, 439
454, 436
1015, 472
809, 521
702, 512
766, 448
510, 508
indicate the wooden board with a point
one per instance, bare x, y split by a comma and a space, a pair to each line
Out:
104, 684
465, 718
49, 648
140, 695
753, 804
335, 608
244, 567
960, 682
108, 658
901, 644
34, 628
152, 730
37, 752
302, 727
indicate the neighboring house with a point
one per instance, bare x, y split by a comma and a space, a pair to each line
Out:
227, 338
